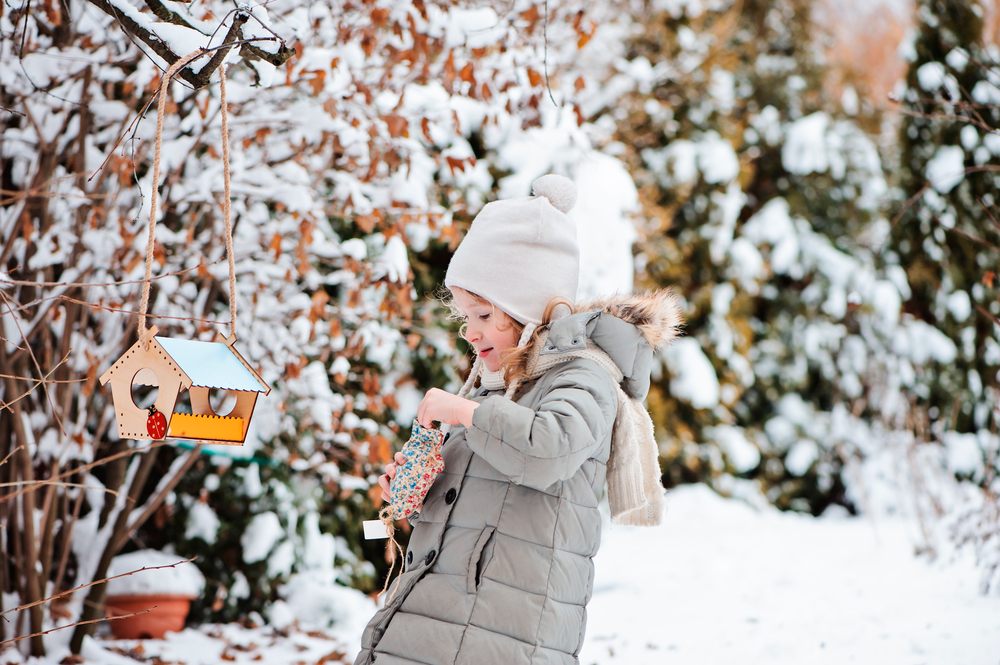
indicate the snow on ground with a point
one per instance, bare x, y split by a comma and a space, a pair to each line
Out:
718, 582
207, 645
721, 582
211, 645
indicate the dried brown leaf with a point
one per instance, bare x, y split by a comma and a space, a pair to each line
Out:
468, 74
397, 126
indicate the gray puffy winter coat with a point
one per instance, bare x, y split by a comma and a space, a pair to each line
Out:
499, 566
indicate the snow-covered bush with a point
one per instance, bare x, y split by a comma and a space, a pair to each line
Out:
255, 526
946, 239
764, 199
355, 167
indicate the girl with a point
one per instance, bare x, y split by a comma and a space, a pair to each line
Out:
499, 565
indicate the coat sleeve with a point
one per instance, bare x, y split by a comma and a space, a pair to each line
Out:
538, 447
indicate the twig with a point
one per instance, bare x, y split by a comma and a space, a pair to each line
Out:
30, 378
91, 465
78, 623
161, 494
42, 191
989, 214
6, 405
985, 312
170, 16
118, 310
12, 342
545, 52
37, 484
950, 116
24, 31
10, 454
906, 206
38, 367
68, 540
910, 202
967, 235
83, 285
90, 584
128, 311
141, 114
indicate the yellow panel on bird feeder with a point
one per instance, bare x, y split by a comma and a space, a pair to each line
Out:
217, 428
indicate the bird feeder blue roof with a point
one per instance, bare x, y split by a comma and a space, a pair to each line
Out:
211, 365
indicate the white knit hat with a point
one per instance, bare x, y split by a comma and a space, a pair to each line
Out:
521, 253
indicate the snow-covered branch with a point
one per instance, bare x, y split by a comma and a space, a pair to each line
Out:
176, 36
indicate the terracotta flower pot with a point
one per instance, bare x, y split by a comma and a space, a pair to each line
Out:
166, 612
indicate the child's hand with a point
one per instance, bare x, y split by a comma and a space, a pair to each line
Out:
390, 473
443, 407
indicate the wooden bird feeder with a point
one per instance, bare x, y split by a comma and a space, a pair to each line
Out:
175, 365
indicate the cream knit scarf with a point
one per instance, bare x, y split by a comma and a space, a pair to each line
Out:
635, 493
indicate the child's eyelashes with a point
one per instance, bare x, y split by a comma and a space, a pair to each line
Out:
485, 317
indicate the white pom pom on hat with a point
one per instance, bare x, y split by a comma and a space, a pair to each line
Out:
522, 253
559, 190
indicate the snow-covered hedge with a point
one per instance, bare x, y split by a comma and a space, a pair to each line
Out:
355, 167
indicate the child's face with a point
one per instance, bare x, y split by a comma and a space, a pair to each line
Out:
487, 328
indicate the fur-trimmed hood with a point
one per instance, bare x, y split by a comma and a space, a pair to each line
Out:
657, 314
627, 328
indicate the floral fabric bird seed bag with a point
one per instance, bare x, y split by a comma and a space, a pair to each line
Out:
414, 478
411, 483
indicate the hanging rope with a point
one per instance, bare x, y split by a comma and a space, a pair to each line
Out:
227, 210
226, 203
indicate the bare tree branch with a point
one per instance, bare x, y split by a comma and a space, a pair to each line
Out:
177, 471
72, 625
88, 584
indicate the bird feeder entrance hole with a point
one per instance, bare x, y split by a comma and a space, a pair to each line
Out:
145, 388
149, 382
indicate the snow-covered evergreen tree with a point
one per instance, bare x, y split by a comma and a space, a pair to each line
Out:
946, 238
763, 196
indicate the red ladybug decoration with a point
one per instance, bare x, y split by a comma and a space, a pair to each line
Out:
156, 424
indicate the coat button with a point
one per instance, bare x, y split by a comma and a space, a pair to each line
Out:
409, 558
430, 557
450, 495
